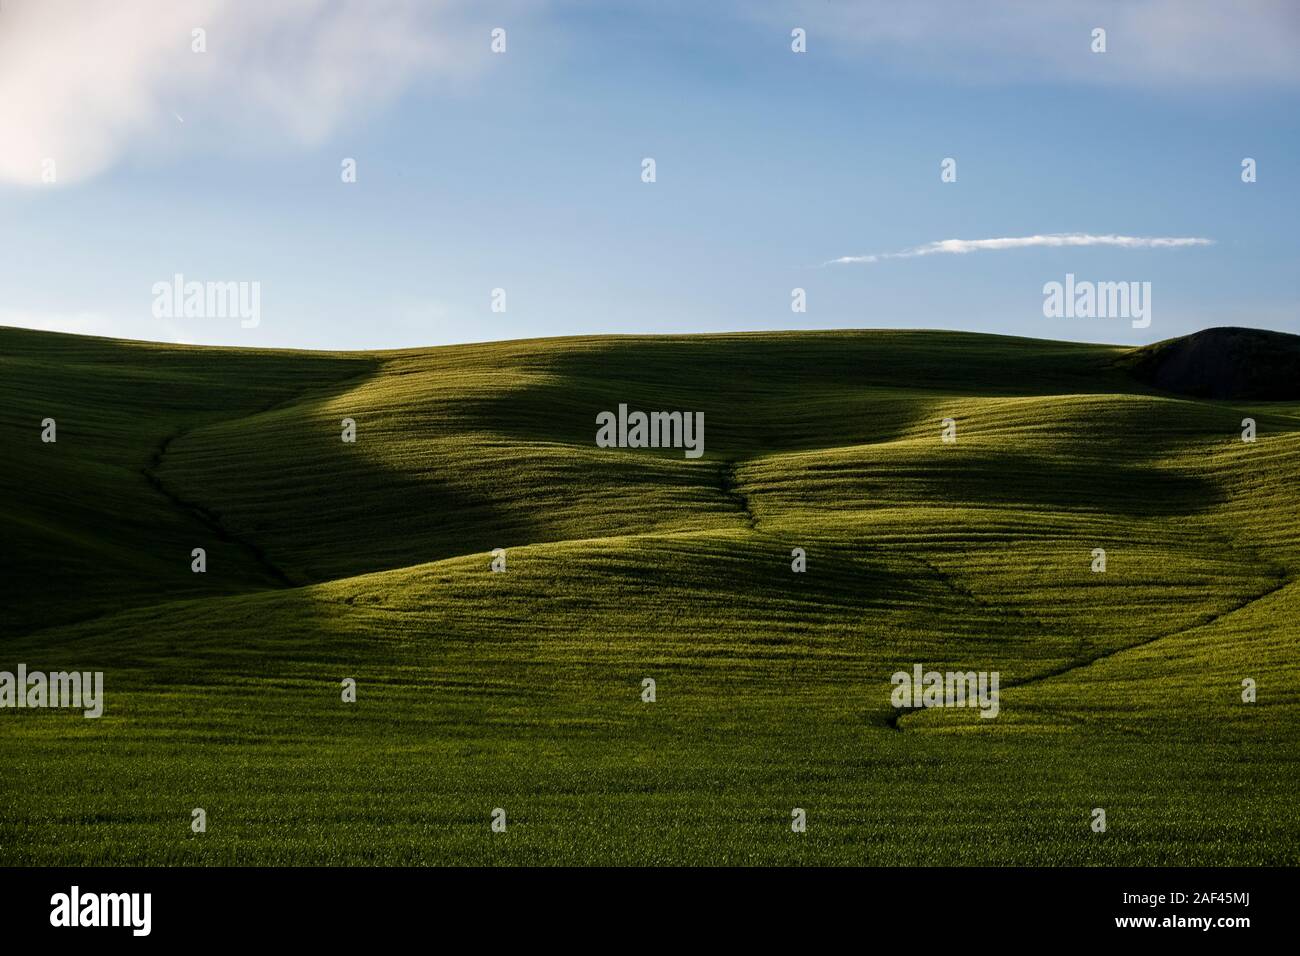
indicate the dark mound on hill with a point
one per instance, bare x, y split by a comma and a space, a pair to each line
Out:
1228, 363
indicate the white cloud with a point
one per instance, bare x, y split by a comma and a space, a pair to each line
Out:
84, 82
1052, 240
1150, 43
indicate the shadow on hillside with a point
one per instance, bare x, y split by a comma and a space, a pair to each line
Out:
1004, 479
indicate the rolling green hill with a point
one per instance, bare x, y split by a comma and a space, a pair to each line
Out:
522, 690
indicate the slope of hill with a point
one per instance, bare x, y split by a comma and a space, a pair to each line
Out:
1229, 363
523, 690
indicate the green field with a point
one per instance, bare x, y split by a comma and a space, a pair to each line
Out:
522, 690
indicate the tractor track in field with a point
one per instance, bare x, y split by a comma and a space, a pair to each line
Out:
209, 518
205, 516
1206, 621
893, 721
945, 580
729, 485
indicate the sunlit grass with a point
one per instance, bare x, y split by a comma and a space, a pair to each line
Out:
523, 690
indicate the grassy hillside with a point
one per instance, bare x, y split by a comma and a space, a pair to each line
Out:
522, 689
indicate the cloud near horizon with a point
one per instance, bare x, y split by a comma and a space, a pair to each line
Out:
1052, 240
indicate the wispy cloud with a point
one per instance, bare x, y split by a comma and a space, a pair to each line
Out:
85, 83
960, 247
1169, 44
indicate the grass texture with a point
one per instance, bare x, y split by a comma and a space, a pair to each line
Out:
522, 690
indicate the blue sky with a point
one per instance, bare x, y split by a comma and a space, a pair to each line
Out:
522, 170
